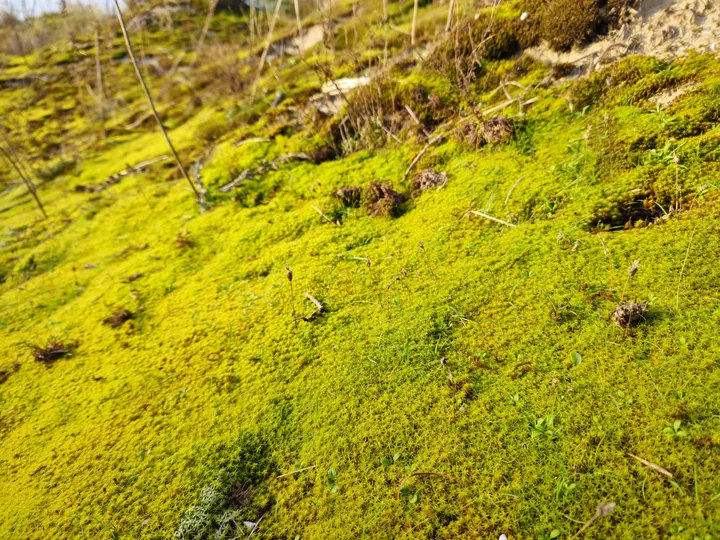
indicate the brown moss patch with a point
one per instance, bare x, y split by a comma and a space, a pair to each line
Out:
349, 196
427, 179
53, 351
382, 200
118, 318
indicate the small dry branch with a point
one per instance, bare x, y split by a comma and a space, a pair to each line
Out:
264, 167
496, 220
150, 101
417, 158
651, 465
298, 471
315, 314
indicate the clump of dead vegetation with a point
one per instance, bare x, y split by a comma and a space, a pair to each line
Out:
427, 179
386, 110
118, 318
627, 314
51, 352
320, 308
349, 196
477, 133
5, 373
323, 153
183, 240
382, 200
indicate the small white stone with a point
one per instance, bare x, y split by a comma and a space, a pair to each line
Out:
524, 16
502, 537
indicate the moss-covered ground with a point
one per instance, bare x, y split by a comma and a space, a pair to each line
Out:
481, 352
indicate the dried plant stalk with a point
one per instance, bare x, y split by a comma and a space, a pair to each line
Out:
150, 99
14, 161
451, 9
99, 84
299, 27
414, 23
268, 42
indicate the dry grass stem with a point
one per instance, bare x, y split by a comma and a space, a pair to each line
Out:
496, 220
414, 23
298, 471
651, 465
603, 510
268, 42
451, 9
14, 161
507, 199
417, 158
99, 85
299, 27
682, 270
151, 103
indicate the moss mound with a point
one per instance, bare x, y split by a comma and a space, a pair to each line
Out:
494, 316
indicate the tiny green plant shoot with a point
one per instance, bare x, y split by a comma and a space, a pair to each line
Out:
545, 427
675, 431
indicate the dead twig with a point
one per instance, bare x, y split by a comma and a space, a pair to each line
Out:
651, 465
603, 510
264, 167
263, 57
417, 158
298, 471
251, 141
496, 220
151, 103
507, 199
682, 270
315, 314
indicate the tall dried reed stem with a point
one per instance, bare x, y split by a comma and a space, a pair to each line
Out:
150, 100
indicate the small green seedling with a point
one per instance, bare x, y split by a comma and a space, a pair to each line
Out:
545, 427
564, 490
549, 536
576, 358
675, 432
515, 400
332, 480
413, 497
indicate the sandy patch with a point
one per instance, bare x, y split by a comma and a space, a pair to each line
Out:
662, 28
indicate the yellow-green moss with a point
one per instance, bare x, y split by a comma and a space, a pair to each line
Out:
445, 337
